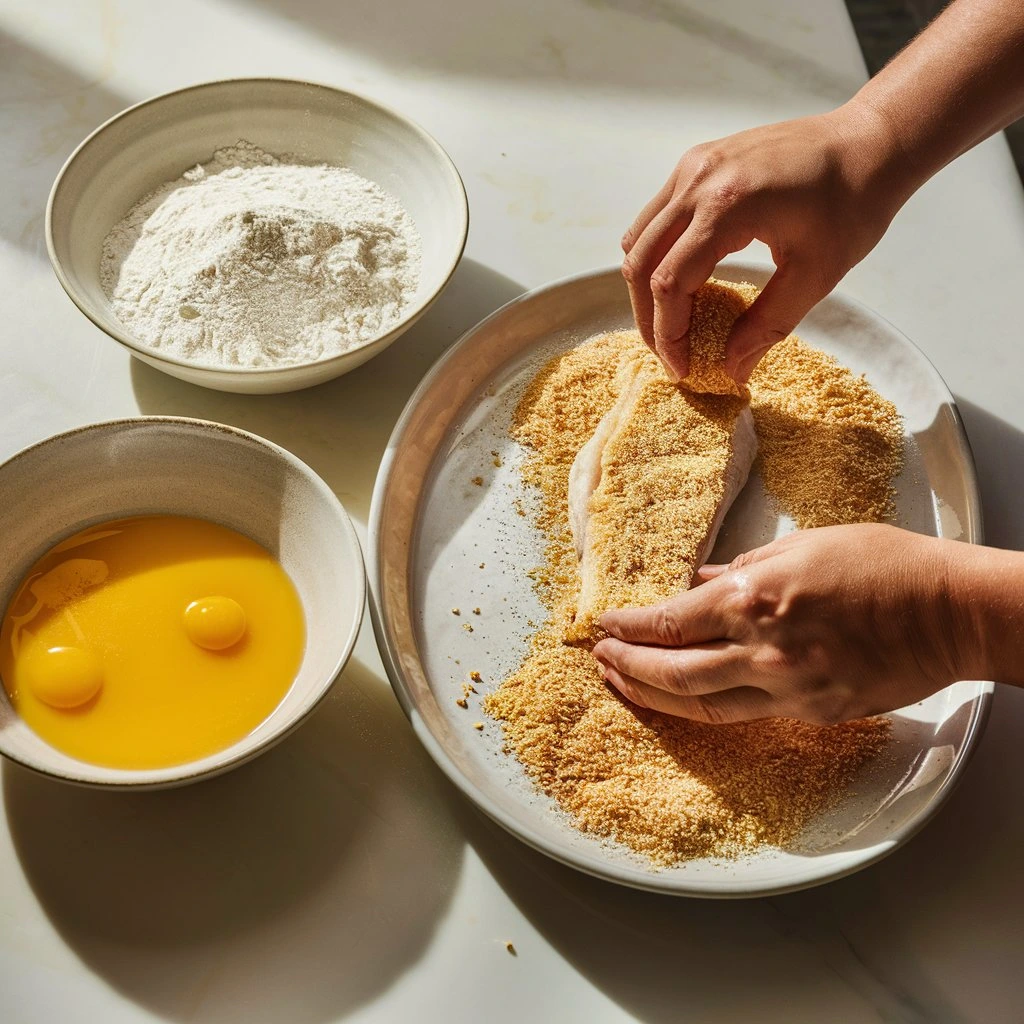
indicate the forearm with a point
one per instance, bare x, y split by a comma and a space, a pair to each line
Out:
985, 587
960, 81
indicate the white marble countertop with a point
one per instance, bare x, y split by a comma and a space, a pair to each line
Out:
340, 876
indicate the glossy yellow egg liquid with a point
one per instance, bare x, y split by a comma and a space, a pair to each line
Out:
149, 642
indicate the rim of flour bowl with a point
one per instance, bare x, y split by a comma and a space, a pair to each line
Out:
153, 353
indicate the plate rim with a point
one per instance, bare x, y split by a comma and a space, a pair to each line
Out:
593, 866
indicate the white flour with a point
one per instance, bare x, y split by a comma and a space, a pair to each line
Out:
252, 261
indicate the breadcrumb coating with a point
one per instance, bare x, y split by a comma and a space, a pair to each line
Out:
670, 789
716, 305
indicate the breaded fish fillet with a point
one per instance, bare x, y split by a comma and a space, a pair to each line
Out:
649, 492
716, 305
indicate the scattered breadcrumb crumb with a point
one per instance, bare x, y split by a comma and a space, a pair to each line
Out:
475, 676
478, 481
830, 445
476, 611
482, 565
456, 611
511, 948
669, 788
467, 627
462, 702
478, 725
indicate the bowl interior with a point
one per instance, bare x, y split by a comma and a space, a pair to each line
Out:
157, 141
191, 468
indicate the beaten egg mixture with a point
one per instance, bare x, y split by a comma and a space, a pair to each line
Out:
152, 641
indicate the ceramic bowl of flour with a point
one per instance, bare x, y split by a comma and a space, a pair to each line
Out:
256, 235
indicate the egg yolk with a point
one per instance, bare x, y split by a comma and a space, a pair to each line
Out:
215, 623
64, 677
148, 642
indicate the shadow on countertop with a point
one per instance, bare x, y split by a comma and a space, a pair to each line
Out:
47, 109
560, 40
341, 428
998, 449
296, 888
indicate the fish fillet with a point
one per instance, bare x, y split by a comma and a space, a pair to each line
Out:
585, 472
649, 492
716, 305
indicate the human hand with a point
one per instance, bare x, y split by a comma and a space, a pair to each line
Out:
820, 191
823, 625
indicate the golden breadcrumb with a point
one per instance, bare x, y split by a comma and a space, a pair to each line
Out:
716, 305
830, 445
670, 789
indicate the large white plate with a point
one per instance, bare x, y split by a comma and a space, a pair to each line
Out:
432, 529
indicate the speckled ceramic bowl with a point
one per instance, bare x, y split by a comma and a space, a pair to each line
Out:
192, 468
156, 141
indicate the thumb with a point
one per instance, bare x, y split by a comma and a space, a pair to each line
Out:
785, 300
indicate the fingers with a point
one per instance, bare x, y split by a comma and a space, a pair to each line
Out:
639, 291
739, 704
685, 267
649, 212
708, 572
766, 551
643, 260
692, 617
785, 300
707, 668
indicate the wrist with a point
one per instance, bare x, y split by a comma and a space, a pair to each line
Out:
882, 160
985, 594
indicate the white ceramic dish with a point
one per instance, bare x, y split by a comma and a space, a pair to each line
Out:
191, 468
156, 141
431, 529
